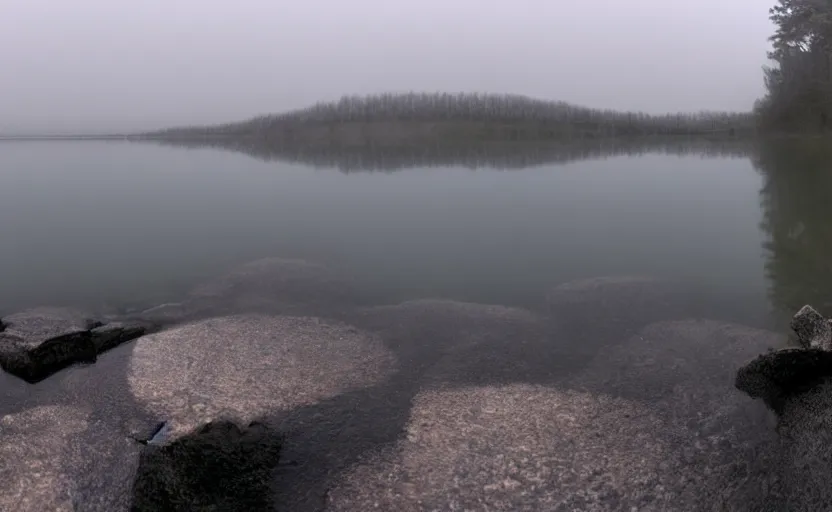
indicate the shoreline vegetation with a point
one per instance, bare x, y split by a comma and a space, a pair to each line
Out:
440, 118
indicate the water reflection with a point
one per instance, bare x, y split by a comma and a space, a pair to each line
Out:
797, 219
495, 155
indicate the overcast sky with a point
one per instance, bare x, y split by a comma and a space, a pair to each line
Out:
127, 65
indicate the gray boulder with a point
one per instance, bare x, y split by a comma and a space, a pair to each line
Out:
813, 331
36, 343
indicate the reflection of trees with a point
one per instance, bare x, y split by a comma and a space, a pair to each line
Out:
500, 155
797, 217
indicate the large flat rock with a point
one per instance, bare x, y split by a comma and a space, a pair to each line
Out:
529, 448
246, 366
652, 422
36, 343
56, 458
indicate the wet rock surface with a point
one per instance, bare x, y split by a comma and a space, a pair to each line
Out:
651, 423
219, 466
528, 448
59, 458
244, 366
796, 383
778, 375
481, 342
424, 405
35, 344
805, 456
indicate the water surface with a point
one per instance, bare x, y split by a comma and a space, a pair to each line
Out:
94, 223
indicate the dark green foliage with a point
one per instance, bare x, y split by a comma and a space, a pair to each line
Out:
219, 467
799, 83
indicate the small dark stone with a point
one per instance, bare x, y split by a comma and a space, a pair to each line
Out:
220, 466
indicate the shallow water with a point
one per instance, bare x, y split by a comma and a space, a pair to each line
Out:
94, 223
696, 249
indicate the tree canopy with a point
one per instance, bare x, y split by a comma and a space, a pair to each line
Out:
799, 81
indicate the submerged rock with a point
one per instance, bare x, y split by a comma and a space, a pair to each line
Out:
36, 343
805, 462
473, 343
604, 310
665, 357
57, 458
439, 324
529, 448
219, 466
274, 285
245, 366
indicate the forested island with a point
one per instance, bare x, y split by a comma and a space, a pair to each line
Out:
413, 118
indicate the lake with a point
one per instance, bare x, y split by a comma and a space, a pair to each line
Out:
133, 224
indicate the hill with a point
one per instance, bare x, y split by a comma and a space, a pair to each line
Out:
416, 118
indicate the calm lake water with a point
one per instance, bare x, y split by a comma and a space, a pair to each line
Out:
91, 223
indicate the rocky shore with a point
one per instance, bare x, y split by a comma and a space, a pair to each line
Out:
278, 387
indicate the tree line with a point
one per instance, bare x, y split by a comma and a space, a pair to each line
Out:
799, 81
508, 109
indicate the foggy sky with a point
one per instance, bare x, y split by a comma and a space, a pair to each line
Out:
101, 65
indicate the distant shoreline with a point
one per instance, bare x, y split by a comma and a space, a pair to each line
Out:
430, 118
34, 138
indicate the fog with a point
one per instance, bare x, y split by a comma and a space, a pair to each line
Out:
99, 65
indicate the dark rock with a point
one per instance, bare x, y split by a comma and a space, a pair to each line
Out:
39, 342
61, 458
805, 456
812, 329
36, 343
108, 336
780, 374
220, 466
796, 383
